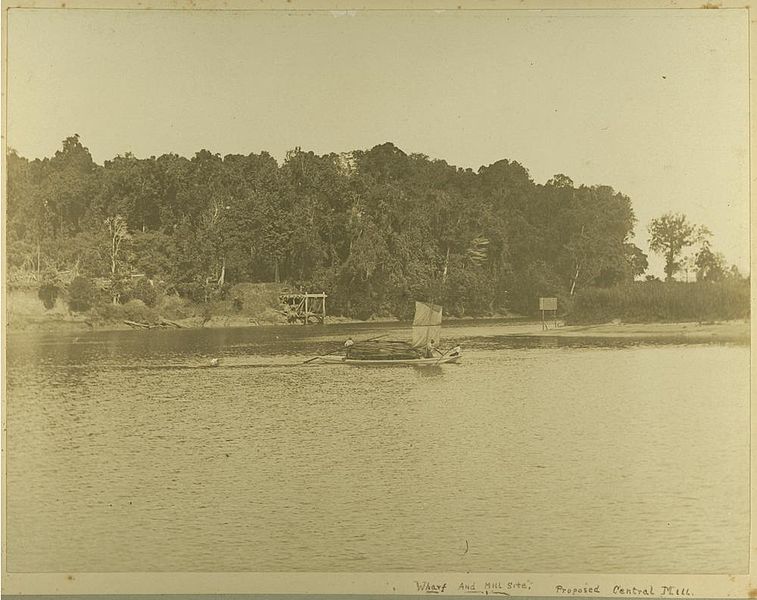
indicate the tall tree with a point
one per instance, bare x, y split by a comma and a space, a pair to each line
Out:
599, 222
69, 186
117, 234
710, 265
670, 235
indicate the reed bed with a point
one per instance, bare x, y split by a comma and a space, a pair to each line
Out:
645, 302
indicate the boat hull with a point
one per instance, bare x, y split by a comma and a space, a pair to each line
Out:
414, 362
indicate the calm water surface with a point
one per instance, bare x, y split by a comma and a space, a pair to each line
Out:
126, 453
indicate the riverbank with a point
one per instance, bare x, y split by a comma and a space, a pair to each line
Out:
251, 305
726, 331
63, 322
24, 314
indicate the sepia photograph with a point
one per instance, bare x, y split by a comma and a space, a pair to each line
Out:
400, 299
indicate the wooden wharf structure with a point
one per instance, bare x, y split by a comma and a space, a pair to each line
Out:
305, 308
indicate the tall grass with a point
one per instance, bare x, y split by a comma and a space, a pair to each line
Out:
654, 301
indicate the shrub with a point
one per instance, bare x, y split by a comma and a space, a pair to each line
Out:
360, 308
175, 307
136, 310
254, 298
203, 292
111, 312
133, 310
143, 290
48, 293
82, 294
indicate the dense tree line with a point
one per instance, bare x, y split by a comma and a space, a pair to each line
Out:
375, 229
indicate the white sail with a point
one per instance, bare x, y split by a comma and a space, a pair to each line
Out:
427, 324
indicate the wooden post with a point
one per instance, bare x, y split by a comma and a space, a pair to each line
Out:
306, 309
323, 317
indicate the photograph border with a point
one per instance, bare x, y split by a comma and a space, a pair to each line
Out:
202, 586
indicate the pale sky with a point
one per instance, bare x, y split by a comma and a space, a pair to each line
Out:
651, 102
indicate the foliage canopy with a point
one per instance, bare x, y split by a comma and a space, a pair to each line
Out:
375, 229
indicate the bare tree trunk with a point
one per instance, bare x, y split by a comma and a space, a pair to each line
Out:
575, 279
222, 278
113, 253
446, 267
118, 233
578, 267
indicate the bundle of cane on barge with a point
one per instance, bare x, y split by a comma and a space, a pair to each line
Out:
422, 351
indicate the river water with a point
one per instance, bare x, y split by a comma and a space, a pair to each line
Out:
126, 453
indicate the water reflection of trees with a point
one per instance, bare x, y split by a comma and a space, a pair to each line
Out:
430, 371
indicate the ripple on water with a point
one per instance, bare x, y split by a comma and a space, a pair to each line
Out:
126, 452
